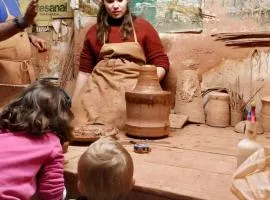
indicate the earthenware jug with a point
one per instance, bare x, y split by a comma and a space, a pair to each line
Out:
148, 106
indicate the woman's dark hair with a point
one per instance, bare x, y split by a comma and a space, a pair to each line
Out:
41, 108
103, 27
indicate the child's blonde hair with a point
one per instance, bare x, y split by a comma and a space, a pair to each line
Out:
105, 171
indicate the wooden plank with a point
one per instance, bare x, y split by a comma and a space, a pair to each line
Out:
249, 42
205, 130
206, 139
247, 39
175, 157
173, 179
244, 34
155, 194
163, 166
184, 181
195, 162
187, 159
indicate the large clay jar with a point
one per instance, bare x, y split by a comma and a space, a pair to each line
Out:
265, 113
148, 106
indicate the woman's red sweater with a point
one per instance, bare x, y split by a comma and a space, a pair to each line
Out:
147, 36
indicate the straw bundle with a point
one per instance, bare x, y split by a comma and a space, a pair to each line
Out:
236, 103
236, 97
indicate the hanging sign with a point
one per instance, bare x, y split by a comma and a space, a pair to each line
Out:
49, 10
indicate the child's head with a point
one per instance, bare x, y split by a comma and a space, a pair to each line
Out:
42, 107
105, 171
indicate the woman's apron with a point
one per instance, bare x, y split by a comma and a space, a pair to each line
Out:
15, 55
103, 98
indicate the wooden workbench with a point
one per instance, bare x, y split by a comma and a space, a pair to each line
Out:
196, 162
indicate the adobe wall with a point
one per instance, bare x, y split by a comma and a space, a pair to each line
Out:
203, 52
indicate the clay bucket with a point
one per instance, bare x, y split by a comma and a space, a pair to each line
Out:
265, 113
218, 110
148, 106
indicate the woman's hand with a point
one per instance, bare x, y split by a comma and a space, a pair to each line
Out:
161, 72
39, 43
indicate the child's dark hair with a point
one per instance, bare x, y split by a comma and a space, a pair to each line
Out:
41, 108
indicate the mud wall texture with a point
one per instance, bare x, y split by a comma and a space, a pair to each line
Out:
218, 62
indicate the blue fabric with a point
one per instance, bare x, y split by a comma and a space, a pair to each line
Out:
13, 8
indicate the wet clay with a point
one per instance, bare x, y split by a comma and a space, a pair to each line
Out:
92, 132
148, 106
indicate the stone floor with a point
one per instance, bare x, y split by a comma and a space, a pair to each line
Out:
196, 162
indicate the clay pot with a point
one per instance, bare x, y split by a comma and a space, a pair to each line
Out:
218, 110
148, 106
265, 113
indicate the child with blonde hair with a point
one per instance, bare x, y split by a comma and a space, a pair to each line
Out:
32, 129
105, 171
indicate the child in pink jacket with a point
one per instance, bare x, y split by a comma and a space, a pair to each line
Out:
33, 127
